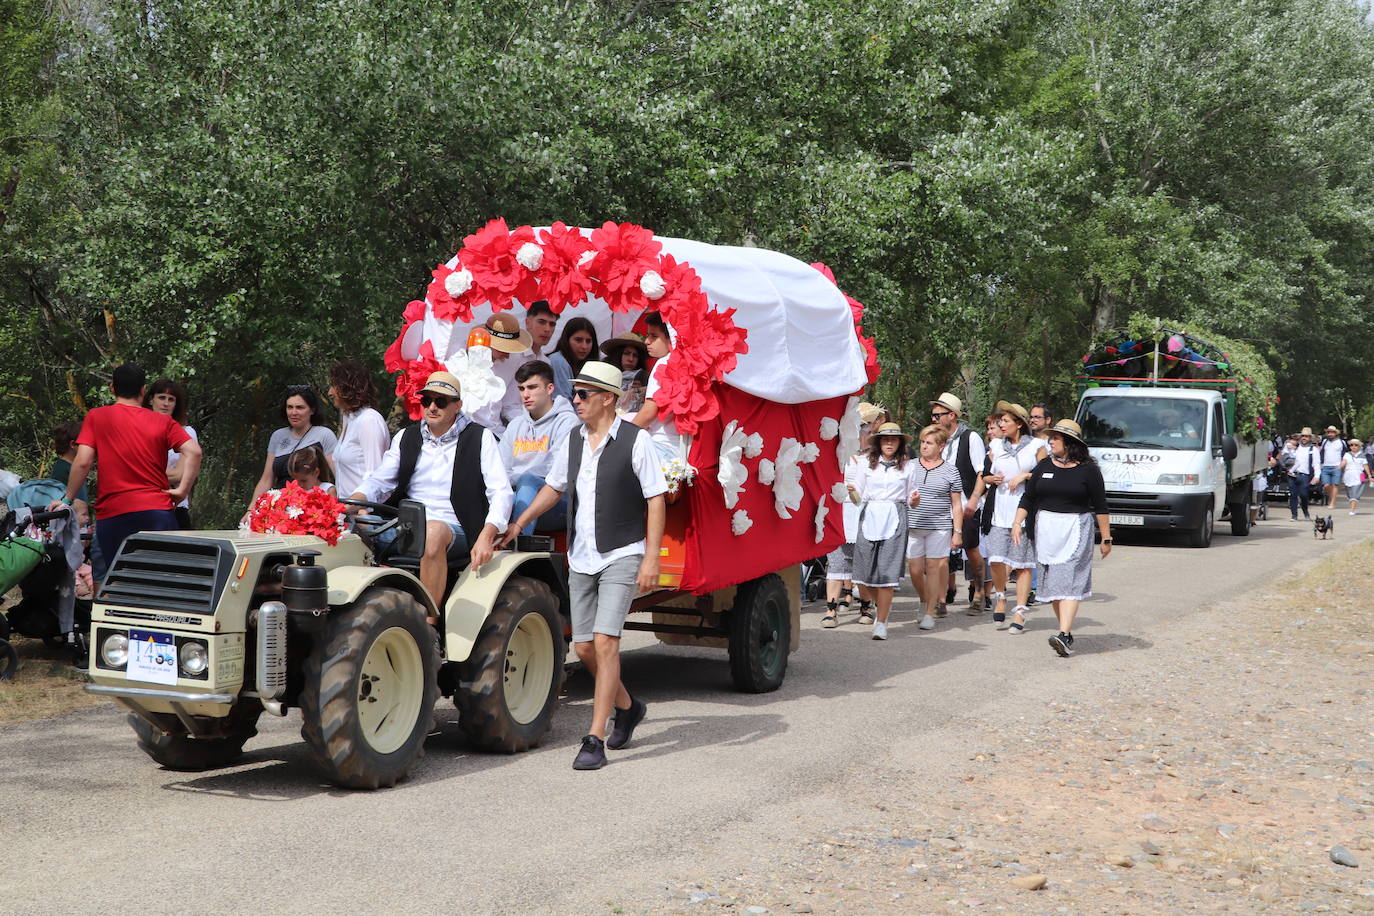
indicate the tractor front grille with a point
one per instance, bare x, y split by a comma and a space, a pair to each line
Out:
161, 573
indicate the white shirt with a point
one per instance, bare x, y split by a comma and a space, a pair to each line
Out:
497, 415
1010, 465
584, 558
664, 433
880, 487
174, 457
977, 451
1306, 460
1352, 467
362, 444
1330, 452
432, 482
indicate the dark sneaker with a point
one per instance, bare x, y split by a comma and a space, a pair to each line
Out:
625, 722
593, 754
1063, 644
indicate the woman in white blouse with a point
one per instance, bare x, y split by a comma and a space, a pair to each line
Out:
1012, 464
363, 436
884, 485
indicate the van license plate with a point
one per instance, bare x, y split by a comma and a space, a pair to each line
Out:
1128, 519
152, 657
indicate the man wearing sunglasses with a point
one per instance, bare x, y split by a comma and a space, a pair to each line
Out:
965, 450
614, 480
453, 466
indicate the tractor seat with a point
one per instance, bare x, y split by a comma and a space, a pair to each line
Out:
405, 551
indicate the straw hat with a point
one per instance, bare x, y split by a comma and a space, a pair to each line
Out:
1068, 428
601, 375
616, 345
445, 384
1332, 429
1016, 410
890, 429
870, 412
949, 402
507, 335
1306, 431
1356, 442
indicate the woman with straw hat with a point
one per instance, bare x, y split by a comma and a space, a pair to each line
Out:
1012, 462
884, 486
1064, 496
1354, 472
629, 353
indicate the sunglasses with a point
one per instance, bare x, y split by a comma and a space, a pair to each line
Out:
438, 400
581, 394
938, 414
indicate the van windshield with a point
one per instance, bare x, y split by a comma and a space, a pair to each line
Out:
1143, 422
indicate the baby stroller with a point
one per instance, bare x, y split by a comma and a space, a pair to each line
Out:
813, 579
38, 550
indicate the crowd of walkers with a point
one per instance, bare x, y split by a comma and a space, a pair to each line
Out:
1027, 505
1314, 470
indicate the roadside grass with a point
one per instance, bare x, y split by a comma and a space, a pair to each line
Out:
45, 685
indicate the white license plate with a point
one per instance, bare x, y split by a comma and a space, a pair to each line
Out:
152, 657
1128, 519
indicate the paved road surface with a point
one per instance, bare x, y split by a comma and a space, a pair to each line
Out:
91, 825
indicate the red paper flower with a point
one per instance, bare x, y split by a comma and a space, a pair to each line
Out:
392, 360
414, 374
452, 306
415, 311
562, 280
496, 271
294, 510
624, 253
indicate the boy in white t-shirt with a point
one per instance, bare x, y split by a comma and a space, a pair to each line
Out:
664, 434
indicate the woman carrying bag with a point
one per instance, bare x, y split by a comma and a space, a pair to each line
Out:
1064, 496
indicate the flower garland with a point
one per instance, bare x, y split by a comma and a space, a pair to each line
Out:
620, 263
294, 510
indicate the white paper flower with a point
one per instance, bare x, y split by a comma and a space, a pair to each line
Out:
458, 282
740, 522
294, 511
733, 475
479, 382
753, 446
530, 256
822, 510
849, 432
652, 285
809, 453
766, 471
586, 256
787, 488
839, 492
830, 428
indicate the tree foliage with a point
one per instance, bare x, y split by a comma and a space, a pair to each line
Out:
237, 193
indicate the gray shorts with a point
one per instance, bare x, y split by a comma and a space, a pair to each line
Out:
601, 601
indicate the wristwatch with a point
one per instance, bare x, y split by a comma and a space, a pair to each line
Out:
1106, 540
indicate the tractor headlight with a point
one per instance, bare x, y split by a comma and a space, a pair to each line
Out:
114, 651
195, 657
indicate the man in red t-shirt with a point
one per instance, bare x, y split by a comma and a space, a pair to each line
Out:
130, 445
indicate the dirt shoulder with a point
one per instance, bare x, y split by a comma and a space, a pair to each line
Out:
45, 685
1212, 770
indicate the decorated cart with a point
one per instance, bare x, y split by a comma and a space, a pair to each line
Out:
768, 359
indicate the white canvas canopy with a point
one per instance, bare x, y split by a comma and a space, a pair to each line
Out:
802, 342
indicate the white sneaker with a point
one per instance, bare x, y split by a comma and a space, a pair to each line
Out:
879, 630
927, 622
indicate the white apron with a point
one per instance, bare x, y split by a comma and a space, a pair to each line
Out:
1057, 536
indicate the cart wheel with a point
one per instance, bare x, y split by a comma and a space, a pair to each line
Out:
760, 635
9, 660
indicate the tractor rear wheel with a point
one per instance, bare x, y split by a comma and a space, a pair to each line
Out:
370, 687
508, 687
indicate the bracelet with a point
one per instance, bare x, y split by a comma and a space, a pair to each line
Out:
66, 501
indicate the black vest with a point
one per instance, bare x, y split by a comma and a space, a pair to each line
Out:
469, 492
620, 502
964, 465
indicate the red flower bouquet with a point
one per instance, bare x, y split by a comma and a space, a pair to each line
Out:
293, 510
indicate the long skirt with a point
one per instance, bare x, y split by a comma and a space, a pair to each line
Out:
1071, 580
998, 548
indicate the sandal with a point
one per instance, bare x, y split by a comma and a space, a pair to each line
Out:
1019, 625
865, 611
831, 618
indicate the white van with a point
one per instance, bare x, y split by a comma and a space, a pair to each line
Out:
1170, 458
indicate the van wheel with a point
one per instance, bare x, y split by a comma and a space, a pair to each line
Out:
760, 635
170, 746
370, 687
508, 687
1201, 536
1240, 519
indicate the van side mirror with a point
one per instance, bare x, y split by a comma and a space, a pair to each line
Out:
1229, 448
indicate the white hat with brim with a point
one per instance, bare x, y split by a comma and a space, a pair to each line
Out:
890, 429
600, 375
949, 402
1068, 428
445, 384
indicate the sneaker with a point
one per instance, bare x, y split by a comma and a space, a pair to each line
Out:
592, 756
879, 630
1063, 644
1030, 601
975, 607
625, 722
941, 609
927, 622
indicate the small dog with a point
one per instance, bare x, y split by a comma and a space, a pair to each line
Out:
1323, 527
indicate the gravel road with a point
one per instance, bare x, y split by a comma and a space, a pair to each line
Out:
922, 774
